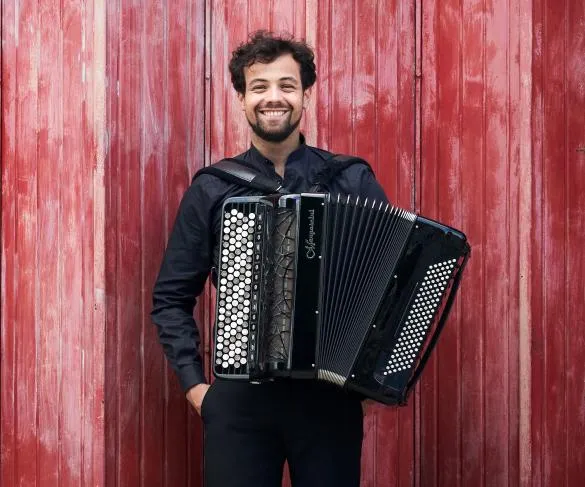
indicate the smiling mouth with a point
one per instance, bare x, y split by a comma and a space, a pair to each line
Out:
274, 114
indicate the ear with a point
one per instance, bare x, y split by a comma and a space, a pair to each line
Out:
241, 99
306, 97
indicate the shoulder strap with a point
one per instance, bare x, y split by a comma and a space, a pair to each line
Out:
332, 167
240, 172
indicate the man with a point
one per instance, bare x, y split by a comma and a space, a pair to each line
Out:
251, 429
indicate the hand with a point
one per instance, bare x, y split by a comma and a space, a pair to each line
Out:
195, 396
368, 404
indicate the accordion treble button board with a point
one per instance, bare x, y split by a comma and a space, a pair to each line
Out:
238, 284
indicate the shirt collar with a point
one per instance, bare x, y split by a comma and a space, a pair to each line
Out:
297, 154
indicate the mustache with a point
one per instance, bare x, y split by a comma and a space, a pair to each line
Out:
273, 106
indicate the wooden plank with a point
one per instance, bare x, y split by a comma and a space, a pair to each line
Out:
154, 149
341, 71
439, 137
111, 177
92, 138
514, 183
427, 466
258, 16
237, 137
128, 247
26, 335
555, 252
178, 107
525, 250
322, 98
8, 274
283, 16
197, 156
445, 208
72, 204
472, 297
498, 437
307, 19
50, 151
387, 102
363, 53
538, 394
575, 239
96, 145
405, 103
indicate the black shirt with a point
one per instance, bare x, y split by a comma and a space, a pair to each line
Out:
192, 249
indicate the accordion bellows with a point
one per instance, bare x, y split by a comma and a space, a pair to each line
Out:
340, 289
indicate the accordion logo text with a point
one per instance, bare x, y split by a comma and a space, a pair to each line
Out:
341, 289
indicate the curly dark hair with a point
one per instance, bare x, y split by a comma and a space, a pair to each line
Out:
264, 47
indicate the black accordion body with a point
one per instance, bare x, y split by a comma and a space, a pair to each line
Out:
341, 289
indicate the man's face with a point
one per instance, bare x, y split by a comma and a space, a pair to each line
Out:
274, 98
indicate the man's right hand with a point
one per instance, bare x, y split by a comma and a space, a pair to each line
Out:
195, 396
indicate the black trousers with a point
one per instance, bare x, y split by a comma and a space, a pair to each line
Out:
251, 429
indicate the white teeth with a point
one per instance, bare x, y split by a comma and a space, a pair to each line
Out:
274, 113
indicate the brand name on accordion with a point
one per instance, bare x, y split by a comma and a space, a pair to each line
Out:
310, 242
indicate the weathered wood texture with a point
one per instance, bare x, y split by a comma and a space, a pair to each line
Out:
155, 113
503, 114
52, 324
471, 112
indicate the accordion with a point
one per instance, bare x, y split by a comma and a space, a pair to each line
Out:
336, 288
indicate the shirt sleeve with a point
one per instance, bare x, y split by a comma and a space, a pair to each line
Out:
359, 179
186, 263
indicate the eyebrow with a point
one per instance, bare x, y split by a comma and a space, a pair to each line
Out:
286, 78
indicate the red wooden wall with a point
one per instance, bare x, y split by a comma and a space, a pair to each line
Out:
472, 112
52, 243
156, 119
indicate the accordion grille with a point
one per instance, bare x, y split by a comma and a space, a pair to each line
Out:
279, 289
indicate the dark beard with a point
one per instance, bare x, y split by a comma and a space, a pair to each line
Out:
274, 136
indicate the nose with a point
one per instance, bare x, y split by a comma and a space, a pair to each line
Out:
273, 94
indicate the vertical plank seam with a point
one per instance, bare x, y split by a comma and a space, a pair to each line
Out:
457, 202
354, 48
566, 246
16, 246
190, 82
543, 418
117, 197
165, 195
525, 215
509, 381
37, 293
483, 241
418, 50
329, 74
376, 161
100, 39
82, 333
142, 153
417, 121
60, 261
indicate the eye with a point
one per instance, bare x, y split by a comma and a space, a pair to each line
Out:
288, 87
258, 88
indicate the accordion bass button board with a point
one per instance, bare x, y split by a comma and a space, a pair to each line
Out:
335, 288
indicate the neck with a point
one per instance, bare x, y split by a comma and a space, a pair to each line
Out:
277, 152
